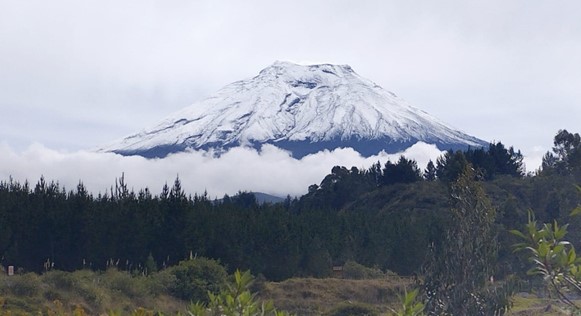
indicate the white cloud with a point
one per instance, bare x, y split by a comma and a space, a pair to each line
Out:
271, 170
534, 159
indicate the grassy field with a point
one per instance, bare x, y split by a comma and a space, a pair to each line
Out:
119, 292
525, 304
95, 292
318, 296
102, 292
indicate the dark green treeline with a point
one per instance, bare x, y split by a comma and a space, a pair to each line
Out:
73, 230
384, 216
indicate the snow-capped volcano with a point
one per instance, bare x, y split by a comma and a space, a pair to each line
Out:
303, 109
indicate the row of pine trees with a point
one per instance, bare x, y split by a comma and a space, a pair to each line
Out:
384, 216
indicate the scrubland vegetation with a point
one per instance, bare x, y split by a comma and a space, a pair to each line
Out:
173, 290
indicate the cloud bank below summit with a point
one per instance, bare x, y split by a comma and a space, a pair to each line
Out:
270, 170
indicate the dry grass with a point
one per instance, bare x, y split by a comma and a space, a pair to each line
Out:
98, 293
102, 292
95, 292
525, 304
317, 296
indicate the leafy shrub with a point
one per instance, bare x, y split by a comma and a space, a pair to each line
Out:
59, 279
411, 305
25, 285
196, 277
161, 282
123, 282
356, 271
88, 285
52, 295
90, 294
346, 309
236, 299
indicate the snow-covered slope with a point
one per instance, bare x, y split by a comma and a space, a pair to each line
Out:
299, 108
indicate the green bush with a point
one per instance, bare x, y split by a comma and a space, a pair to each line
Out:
88, 285
52, 295
59, 279
123, 282
91, 294
161, 282
196, 277
356, 271
236, 299
25, 285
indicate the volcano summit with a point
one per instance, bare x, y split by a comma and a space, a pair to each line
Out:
302, 109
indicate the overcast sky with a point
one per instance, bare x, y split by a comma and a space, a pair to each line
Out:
75, 75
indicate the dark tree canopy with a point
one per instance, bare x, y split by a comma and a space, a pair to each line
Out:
450, 165
488, 162
430, 172
404, 171
566, 155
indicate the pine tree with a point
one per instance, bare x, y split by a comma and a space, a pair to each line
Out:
430, 172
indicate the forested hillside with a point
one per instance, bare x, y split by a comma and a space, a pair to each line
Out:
385, 216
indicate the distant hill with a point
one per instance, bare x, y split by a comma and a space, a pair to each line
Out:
267, 198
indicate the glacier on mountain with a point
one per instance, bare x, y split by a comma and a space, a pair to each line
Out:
303, 109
